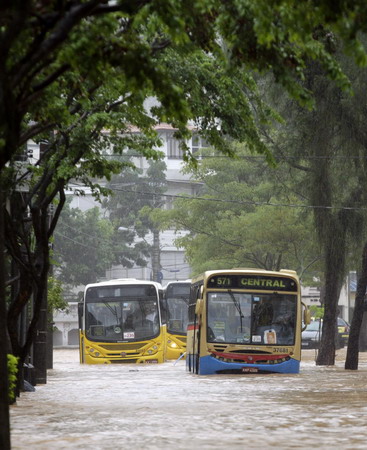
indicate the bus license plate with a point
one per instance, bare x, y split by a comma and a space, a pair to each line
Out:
250, 369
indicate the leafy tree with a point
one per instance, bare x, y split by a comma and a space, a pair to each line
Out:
241, 218
75, 151
12, 371
55, 299
43, 41
135, 193
328, 145
86, 244
317, 312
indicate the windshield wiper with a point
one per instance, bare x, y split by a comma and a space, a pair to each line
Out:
185, 299
237, 305
113, 310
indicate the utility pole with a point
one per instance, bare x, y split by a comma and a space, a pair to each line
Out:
156, 257
50, 342
42, 355
40, 345
50, 319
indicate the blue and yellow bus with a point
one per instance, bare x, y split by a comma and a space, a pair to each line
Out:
176, 299
245, 321
120, 322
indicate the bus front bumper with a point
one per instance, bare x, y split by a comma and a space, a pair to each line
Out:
209, 365
151, 359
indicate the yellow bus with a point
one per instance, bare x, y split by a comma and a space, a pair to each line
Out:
245, 321
120, 322
176, 299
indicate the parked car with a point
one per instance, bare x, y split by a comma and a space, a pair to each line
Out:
312, 334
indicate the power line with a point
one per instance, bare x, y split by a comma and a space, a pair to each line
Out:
74, 241
115, 251
85, 245
254, 157
241, 202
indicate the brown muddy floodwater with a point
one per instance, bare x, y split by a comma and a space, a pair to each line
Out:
163, 407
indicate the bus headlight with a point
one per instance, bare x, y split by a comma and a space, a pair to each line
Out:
152, 350
94, 353
172, 344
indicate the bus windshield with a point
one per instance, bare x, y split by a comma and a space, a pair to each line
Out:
177, 314
121, 315
237, 317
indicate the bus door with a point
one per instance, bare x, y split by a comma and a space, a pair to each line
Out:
163, 324
81, 331
199, 308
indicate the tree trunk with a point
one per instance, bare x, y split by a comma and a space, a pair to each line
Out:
326, 355
50, 335
351, 361
363, 331
4, 402
334, 271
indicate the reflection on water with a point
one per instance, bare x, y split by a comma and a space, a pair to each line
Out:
163, 407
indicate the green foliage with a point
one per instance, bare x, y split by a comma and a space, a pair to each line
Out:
12, 376
135, 193
328, 145
317, 312
84, 247
217, 94
328, 148
243, 217
119, 55
55, 299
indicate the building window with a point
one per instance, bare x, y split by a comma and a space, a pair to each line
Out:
168, 203
174, 148
198, 142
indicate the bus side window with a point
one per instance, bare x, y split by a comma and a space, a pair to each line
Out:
194, 295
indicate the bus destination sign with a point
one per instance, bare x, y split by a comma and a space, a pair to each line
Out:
252, 282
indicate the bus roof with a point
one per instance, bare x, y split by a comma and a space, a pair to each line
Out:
282, 272
178, 281
124, 281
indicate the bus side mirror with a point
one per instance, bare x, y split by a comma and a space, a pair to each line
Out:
306, 316
80, 314
199, 306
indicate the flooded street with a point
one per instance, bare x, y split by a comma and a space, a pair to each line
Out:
163, 407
